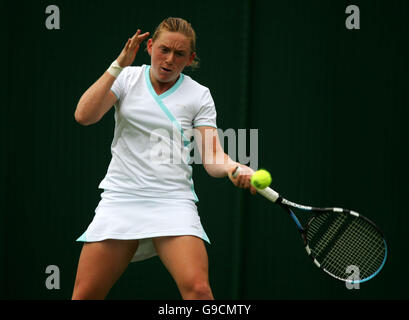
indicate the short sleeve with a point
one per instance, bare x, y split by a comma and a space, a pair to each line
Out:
206, 115
118, 88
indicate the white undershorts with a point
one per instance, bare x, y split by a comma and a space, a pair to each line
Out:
127, 216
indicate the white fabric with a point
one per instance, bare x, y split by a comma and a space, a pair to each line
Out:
143, 130
144, 198
126, 216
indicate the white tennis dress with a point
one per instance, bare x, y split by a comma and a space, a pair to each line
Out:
148, 188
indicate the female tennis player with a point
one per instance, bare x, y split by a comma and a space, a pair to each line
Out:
148, 208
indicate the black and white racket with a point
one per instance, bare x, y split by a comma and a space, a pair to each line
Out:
337, 240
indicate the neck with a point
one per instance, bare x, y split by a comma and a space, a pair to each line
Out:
161, 87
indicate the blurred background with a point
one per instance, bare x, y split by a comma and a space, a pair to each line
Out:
331, 109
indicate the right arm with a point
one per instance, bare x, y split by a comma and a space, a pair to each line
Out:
99, 98
96, 101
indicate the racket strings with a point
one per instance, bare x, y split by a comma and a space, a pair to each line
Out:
338, 241
352, 250
347, 251
324, 231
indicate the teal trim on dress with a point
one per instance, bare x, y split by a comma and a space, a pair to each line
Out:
174, 88
158, 99
204, 236
205, 125
83, 238
117, 98
167, 92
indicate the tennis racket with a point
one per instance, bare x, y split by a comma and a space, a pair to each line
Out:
337, 240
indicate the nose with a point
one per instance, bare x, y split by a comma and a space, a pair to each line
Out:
169, 58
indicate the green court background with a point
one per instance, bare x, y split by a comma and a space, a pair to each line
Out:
330, 106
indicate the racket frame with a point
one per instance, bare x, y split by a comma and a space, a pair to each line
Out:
287, 205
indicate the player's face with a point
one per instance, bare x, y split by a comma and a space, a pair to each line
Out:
170, 54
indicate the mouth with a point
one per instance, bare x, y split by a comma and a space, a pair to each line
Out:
165, 69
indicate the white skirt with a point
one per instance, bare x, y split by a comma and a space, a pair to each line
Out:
127, 216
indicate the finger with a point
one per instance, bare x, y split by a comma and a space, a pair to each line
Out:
127, 44
139, 39
143, 37
135, 40
248, 181
244, 182
136, 34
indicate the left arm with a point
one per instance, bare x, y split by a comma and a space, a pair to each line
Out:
216, 162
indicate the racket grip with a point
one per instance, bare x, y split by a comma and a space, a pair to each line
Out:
268, 193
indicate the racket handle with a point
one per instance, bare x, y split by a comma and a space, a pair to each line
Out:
268, 193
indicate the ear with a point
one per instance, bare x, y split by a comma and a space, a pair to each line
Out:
191, 58
149, 46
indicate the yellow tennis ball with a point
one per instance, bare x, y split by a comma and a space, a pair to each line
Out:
261, 179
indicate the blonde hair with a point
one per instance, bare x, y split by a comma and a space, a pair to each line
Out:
182, 26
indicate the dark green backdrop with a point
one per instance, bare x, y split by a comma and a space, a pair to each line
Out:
330, 104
